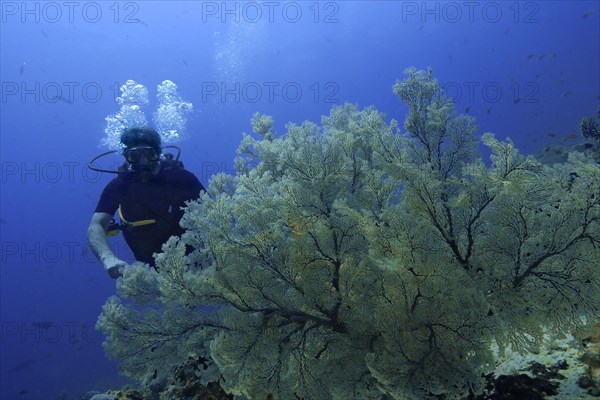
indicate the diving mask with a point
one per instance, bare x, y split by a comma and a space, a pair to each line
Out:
135, 155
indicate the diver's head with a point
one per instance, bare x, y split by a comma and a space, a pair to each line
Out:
141, 149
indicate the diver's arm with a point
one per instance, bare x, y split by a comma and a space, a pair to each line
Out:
97, 238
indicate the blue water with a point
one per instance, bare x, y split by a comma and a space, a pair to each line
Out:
529, 70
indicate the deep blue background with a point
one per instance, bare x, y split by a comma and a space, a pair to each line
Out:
544, 52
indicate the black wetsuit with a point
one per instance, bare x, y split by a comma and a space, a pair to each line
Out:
160, 198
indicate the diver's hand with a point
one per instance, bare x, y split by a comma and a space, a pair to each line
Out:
114, 266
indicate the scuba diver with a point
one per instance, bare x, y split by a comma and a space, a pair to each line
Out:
148, 194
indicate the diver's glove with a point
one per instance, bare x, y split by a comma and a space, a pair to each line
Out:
114, 266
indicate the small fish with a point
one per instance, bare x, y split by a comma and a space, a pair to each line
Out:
489, 109
20, 366
506, 31
185, 62
587, 14
551, 134
467, 109
541, 57
22, 392
553, 55
565, 94
530, 56
22, 68
517, 100
570, 137
43, 33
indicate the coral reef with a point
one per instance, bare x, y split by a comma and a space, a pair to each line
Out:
186, 383
559, 152
590, 127
353, 260
125, 394
589, 340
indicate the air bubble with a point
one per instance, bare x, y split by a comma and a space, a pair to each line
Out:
169, 118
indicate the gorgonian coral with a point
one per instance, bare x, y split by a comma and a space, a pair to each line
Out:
352, 260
